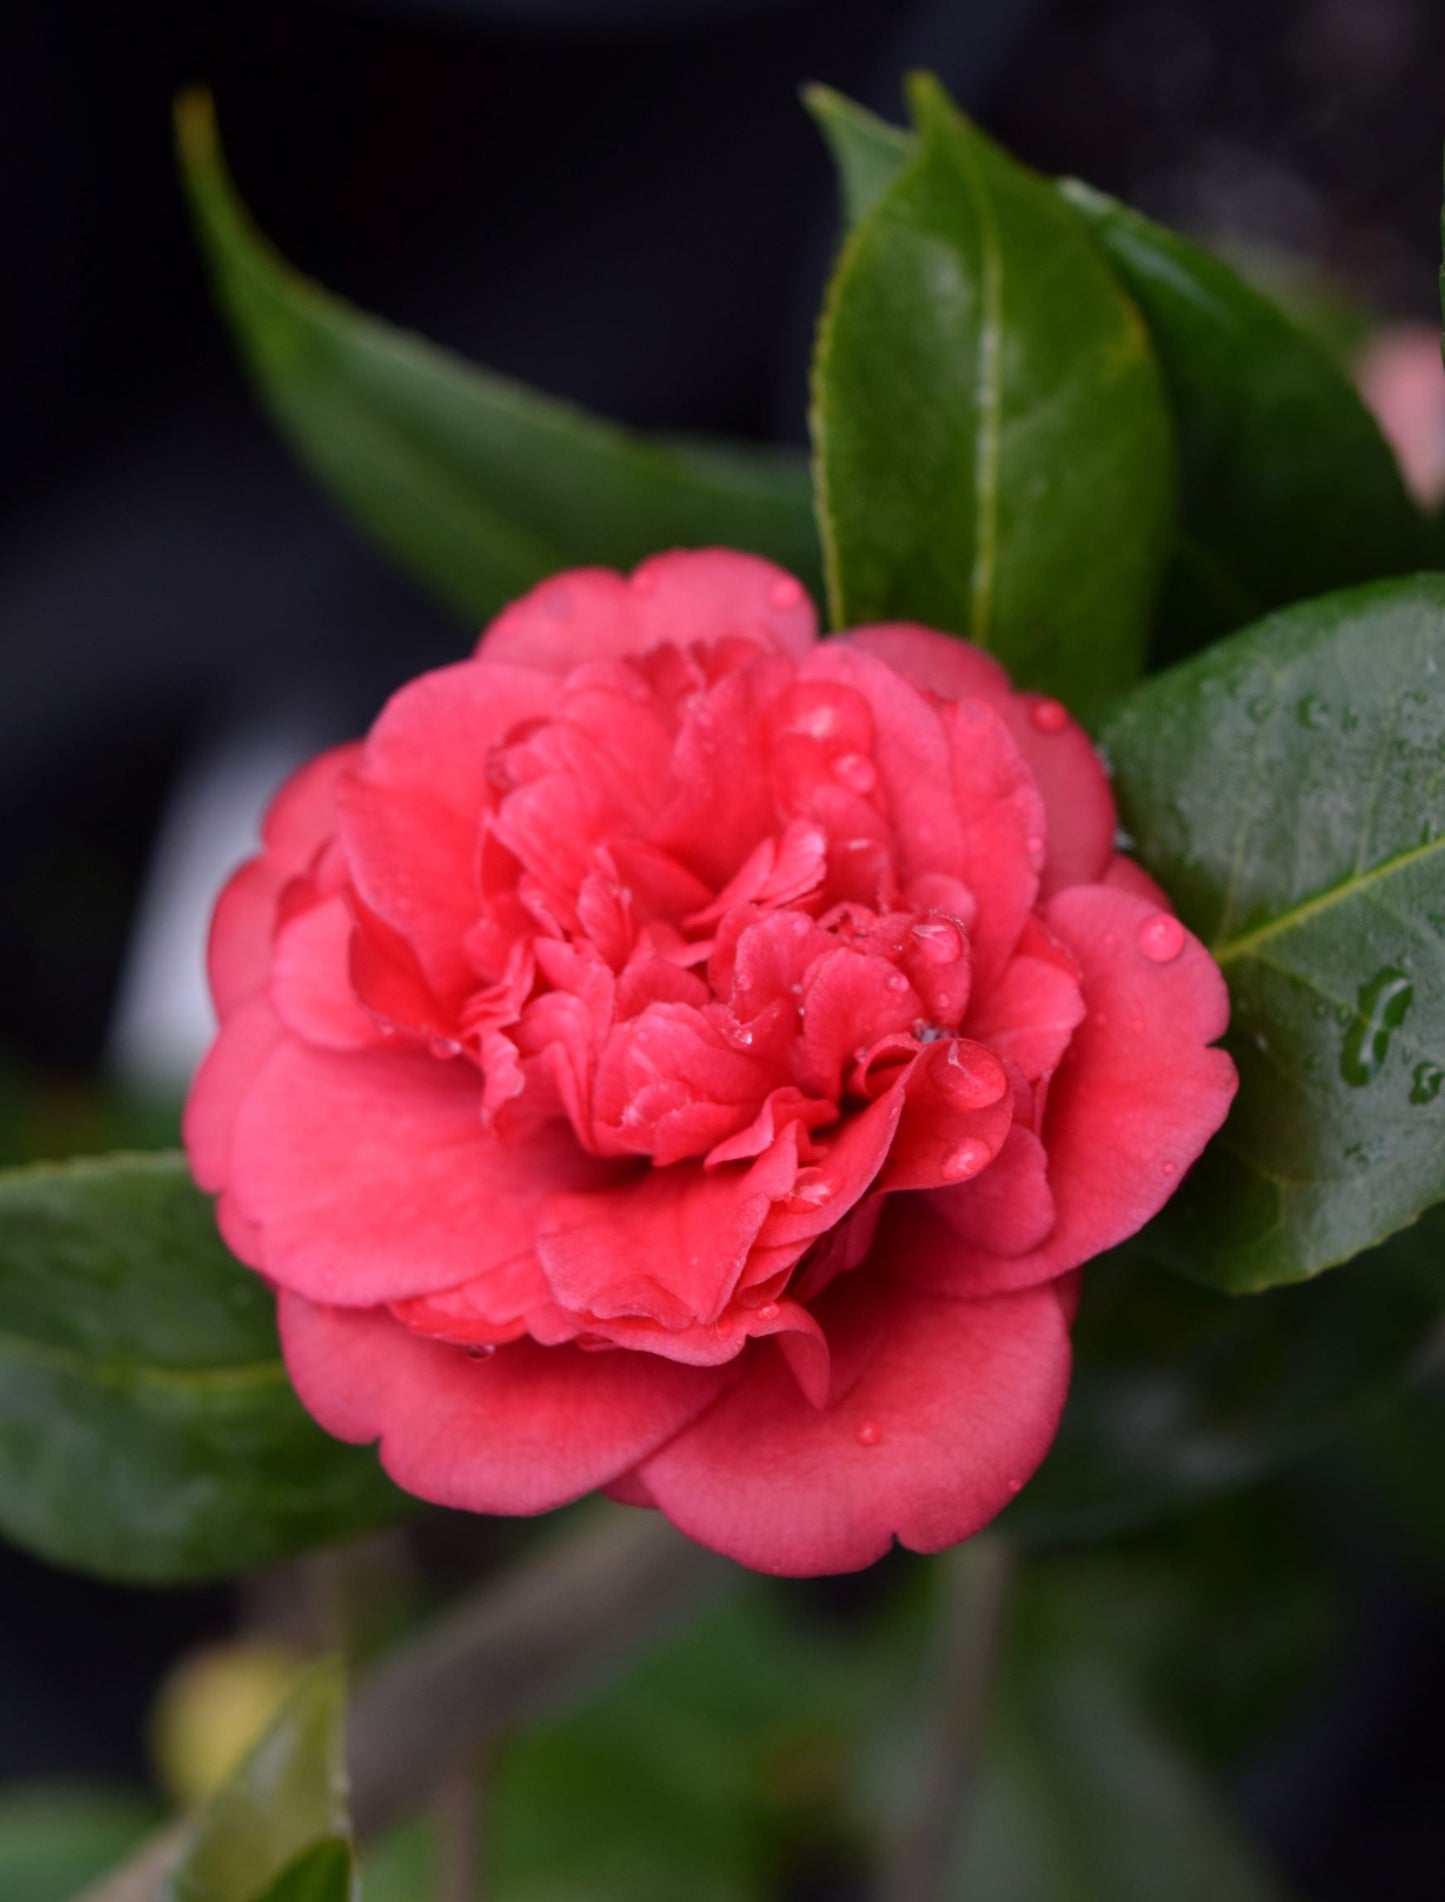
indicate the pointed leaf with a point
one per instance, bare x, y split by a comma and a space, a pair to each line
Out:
868, 152
287, 1799
148, 1430
1289, 489
476, 485
1287, 788
992, 446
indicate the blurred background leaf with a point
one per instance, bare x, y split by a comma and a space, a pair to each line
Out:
55, 1840
147, 1427
287, 1801
478, 486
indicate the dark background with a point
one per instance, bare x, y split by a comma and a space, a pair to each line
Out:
620, 201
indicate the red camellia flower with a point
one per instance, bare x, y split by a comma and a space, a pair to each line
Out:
676, 1056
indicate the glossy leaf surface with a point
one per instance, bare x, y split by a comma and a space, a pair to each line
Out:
147, 1427
992, 445
475, 484
1287, 788
1288, 487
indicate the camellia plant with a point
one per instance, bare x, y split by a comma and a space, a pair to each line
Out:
978, 1067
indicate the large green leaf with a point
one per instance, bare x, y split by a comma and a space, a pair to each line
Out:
1288, 790
992, 443
475, 484
1082, 1796
1180, 1391
1289, 489
282, 1818
147, 1427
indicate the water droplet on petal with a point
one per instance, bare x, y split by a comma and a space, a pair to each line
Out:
855, 771
1049, 716
1171, 1168
1161, 937
769, 1311
898, 982
809, 1193
966, 1160
1035, 843
978, 1084
785, 593
938, 940
869, 1433
445, 1047
479, 1350
644, 581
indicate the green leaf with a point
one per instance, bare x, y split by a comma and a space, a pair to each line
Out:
324, 1873
476, 485
1180, 1392
1289, 489
287, 1800
147, 1427
1287, 788
868, 152
56, 1839
1082, 1796
992, 445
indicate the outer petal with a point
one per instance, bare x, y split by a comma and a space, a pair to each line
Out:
951, 1407
373, 1179
311, 979
689, 595
1138, 1094
221, 1085
243, 928
1069, 772
523, 1431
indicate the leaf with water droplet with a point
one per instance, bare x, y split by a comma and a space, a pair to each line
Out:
1313, 865
1385, 1001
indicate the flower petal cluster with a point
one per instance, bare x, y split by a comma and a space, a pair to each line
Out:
676, 1055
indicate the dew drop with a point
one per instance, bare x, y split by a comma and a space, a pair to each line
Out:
1049, 716
445, 1047
1425, 1086
1171, 1168
966, 1160
1312, 712
1384, 1002
1260, 708
1161, 937
644, 581
785, 593
978, 1084
809, 1194
869, 1433
1035, 844
769, 1311
855, 771
479, 1350
938, 941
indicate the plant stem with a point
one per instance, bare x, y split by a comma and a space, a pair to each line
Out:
970, 1626
560, 1619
